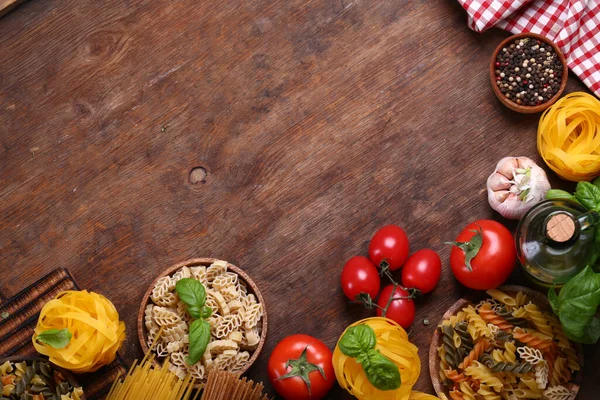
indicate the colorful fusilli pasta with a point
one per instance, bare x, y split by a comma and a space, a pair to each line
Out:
505, 348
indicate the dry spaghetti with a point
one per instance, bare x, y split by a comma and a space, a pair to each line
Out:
94, 324
145, 381
392, 342
569, 137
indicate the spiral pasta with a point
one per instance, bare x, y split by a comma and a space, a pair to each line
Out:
568, 138
482, 373
488, 315
480, 347
521, 353
535, 315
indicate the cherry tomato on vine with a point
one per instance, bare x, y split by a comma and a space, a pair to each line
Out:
389, 243
360, 276
483, 255
300, 368
402, 310
422, 270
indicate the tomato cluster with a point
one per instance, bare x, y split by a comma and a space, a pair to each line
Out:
482, 257
388, 251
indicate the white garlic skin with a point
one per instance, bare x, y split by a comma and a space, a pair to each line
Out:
516, 185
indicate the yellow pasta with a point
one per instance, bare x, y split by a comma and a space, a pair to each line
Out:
477, 326
94, 324
481, 373
502, 297
535, 315
467, 392
569, 138
454, 319
146, 381
487, 393
392, 342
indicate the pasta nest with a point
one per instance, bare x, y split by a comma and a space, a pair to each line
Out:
392, 342
569, 137
94, 323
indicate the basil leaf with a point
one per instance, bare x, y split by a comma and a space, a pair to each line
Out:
199, 337
596, 182
57, 338
357, 340
557, 194
588, 195
381, 371
577, 303
191, 292
195, 312
206, 312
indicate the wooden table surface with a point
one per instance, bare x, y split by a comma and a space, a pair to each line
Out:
314, 123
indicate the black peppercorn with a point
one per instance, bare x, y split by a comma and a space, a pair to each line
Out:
530, 69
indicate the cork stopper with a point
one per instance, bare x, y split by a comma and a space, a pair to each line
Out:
560, 227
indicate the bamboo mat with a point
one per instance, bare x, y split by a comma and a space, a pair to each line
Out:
23, 310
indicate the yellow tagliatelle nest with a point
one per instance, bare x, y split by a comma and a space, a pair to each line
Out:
569, 137
94, 323
392, 342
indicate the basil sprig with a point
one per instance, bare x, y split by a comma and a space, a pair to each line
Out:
587, 194
576, 306
192, 293
359, 342
57, 338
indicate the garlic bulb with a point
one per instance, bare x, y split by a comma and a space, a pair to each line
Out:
516, 185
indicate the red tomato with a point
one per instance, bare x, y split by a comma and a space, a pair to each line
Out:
492, 263
422, 270
402, 311
360, 276
390, 244
303, 353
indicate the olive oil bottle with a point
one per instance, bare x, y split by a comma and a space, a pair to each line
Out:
556, 239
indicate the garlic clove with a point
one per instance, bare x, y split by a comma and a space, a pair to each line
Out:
501, 195
524, 162
498, 181
513, 207
506, 166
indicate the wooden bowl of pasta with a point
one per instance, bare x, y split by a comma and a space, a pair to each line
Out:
238, 322
505, 341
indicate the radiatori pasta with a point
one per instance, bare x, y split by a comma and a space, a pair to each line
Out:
235, 322
521, 353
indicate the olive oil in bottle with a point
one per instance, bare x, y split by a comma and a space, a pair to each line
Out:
556, 239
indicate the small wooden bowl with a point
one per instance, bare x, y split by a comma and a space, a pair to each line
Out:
535, 297
517, 107
196, 262
66, 374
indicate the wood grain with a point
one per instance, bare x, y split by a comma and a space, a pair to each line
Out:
316, 122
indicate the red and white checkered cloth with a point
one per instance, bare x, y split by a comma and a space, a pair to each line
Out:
574, 25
